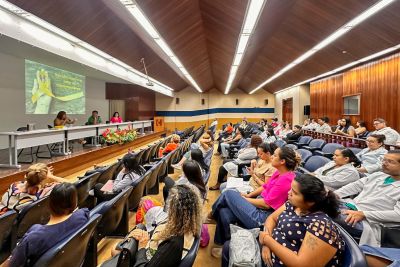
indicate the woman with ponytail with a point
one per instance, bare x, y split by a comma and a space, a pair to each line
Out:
341, 170
302, 232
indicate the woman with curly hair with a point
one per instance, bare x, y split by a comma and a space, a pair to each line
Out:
175, 140
171, 241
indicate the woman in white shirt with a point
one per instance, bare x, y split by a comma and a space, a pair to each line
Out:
372, 156
340, 171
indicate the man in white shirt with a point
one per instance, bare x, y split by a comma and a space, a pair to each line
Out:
377, 201
323, 125
392, 136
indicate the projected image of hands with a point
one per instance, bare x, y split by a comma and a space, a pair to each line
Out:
49, 90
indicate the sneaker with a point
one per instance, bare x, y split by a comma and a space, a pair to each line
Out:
216, 252
176, 166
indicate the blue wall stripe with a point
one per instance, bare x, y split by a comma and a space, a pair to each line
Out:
189, 113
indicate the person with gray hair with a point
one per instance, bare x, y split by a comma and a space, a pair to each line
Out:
392, 136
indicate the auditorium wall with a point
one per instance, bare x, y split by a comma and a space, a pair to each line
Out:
301, 98
190, 110
12, 100
378, 85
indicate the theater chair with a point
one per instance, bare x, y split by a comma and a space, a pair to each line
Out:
303, 141
71, 252
292, 146
35, 213
315, 144
313, 163
83, 186
6, 223
280, 143
328, 150
355, 150
353, 256
115, 217
108, 173
138, 192
152, 185
189, 259
305, 155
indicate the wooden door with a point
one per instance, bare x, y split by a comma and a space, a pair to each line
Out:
287, 110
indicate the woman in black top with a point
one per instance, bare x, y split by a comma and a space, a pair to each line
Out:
171, 241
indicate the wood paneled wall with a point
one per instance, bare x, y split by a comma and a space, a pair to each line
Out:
140, 103
377, 83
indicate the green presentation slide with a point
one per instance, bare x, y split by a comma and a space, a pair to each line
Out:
49, 90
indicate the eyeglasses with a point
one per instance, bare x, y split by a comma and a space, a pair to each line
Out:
370, 141
377, 123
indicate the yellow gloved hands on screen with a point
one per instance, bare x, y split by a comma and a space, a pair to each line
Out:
42, 92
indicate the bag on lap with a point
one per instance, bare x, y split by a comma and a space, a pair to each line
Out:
244, 249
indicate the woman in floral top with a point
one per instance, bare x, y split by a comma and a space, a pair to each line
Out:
302, 232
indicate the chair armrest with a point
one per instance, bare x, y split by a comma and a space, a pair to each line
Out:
303, 170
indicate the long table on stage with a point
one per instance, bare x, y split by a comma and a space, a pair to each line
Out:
20, 140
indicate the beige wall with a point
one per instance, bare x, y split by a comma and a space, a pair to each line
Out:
301, 97
190, 100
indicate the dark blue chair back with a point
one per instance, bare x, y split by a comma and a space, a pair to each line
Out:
292, 146
115, 215
189, 259
305, 154
331, 147
304, 140
353, 256
355, 150
108, 173
316, 144
6, 223
280, 143
35, 213
315, 162
71, 251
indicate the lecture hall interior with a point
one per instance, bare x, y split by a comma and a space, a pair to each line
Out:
199, 133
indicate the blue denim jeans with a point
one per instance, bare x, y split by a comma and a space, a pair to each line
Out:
232, 208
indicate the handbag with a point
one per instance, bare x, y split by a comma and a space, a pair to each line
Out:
204, 236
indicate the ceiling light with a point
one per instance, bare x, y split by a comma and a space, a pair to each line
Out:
141, 18
346, 66
253, 12
91, 57
328, 40
118, 70
46, 37
5, 18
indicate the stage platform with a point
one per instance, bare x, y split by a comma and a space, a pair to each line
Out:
82, 157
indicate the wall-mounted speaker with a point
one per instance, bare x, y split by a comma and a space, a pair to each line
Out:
266, 102
307, 110
177, 100
237, 102
203, 101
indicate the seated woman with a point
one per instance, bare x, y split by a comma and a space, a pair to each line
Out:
175, 140
231, 207
193, 174
301, 232
231, 167
224, 146
128, 176
171, 241
38, 183
285, 131
260, 171
361, 129
268, 136
64, 221
62, 119
381, 257
340, 171
204, 144
345, 128
371, 157
226, 131
116, 118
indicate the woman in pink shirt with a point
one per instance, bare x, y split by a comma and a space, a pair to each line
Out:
116, 118
251, 210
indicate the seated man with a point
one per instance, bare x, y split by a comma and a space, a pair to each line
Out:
377, 201
392, 136
64, 221
94, 119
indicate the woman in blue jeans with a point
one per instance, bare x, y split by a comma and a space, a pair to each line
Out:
251, 210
